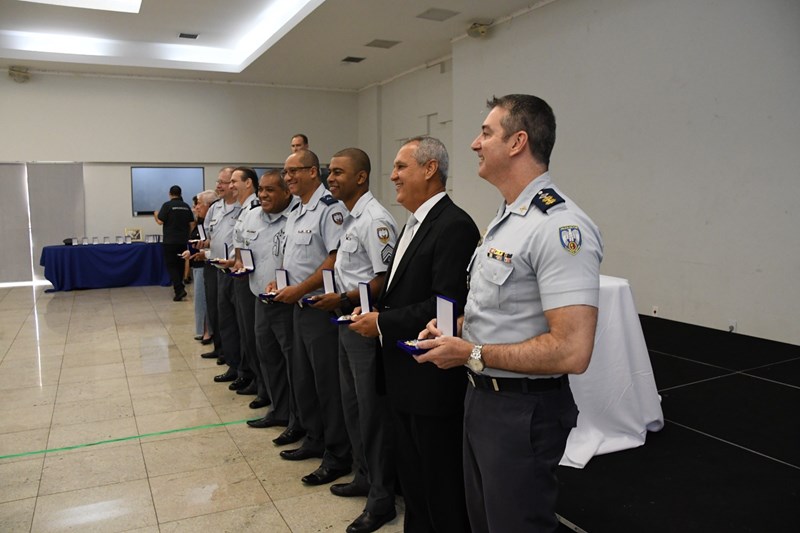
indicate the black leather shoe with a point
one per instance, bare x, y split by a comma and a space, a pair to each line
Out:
289, 436
230, 375
368, 522
209, 355
239, 384
258, 403
300, 454
266, 422
221, 361
198, 337
250, 390
349, 490
324, 475
180, 296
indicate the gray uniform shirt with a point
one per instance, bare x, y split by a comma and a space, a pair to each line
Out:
264, 234
220, 221
531, 261
313, 231
370, 235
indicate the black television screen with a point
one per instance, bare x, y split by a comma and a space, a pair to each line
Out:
150, 186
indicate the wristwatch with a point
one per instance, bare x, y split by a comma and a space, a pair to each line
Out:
475, 361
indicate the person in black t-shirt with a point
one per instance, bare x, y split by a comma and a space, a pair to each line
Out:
176, 217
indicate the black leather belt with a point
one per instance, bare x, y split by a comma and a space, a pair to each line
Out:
523, 385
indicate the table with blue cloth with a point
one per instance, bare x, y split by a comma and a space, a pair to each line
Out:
97, 266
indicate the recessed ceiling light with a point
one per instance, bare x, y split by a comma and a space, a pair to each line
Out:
187, 35
351, 59
382, 43
122, 6
439, 15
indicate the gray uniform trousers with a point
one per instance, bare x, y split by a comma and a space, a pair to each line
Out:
274, 337
210, 282
228, 324
367, 418
245, 302
315, 375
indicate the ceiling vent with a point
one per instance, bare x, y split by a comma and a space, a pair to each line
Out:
382, 43
439, 15
188, 35
351, 59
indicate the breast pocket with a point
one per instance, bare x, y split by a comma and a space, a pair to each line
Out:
349, 245
498, 291
251, 236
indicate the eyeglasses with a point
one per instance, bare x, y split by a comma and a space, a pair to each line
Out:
291, 171
220, 182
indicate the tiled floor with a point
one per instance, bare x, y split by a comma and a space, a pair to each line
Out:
104, 380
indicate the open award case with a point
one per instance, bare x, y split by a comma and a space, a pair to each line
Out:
219, 262
247, 263
445, 321
201, 231
365, 301
327, 285
281, 281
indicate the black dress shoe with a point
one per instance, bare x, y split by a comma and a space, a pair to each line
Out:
266, 422
198, 337
180, 296
368, 522
239, 384
324, 475
258, 403
209, 355
206, 342
300, 454
250, 390
230, 375
289, 436
221, 361
348, 490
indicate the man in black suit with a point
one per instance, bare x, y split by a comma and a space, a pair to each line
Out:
426, 402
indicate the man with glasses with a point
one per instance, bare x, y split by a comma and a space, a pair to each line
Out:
313, 232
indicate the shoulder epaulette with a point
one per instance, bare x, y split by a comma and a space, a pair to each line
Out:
255, 203
215, 201
546, 199
328, 200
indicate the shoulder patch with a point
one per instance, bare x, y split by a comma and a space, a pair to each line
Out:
338, 218
386, 253
383, 234
328, 200
255, 203
547, 198
571, 238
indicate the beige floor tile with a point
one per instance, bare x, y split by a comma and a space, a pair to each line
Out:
92, 432
281, 478
90, 374
148, 351
157, 364
30, 397
99, 390
159, 382
330, 512
20, 479
106, 509
84, 346
170, 400
191, 451
188, 494
110, 408
256, 442
238, 410
25, 418
22, 442
28, 348
74, 360
17, 516
20, 378
150, 341
188, 418
256, 519
98, 465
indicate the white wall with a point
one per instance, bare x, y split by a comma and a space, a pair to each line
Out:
678, 132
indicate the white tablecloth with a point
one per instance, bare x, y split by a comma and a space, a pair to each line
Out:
617, 395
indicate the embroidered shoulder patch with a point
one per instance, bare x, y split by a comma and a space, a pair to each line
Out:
338, 218
570, 238
547, 198
386, 253
383, 234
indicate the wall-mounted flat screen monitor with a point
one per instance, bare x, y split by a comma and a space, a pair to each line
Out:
150, 186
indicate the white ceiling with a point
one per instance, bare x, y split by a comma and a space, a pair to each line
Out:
308, 52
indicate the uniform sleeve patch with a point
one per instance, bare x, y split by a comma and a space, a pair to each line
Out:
338, 218
386, 253
546, 199
383, 234
570, 238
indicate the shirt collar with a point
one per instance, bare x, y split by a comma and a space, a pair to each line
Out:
272, 217
522, 204
314, 200
423, 210
361, 204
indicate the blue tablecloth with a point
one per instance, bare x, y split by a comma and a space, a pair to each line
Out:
97, 266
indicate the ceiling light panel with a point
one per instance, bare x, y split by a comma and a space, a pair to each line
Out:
121, 6
382, 43
439, 15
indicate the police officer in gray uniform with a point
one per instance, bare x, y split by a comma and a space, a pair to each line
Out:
370, 234
313, 232
263, 233
529, 321
221, 222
